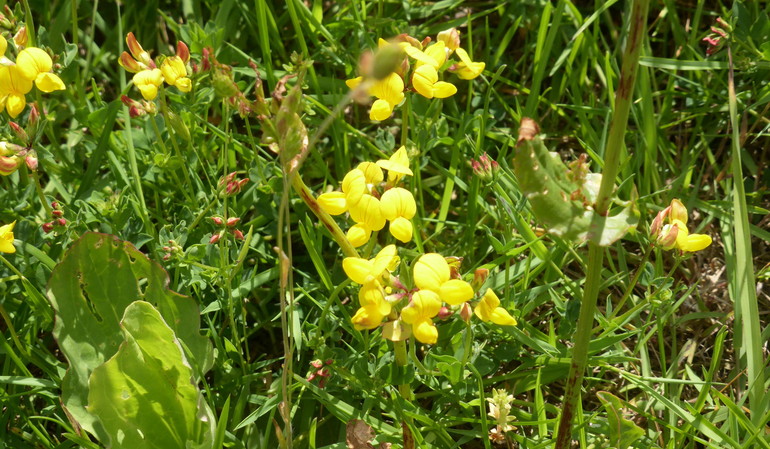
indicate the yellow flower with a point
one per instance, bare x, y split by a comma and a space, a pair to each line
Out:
13, 88
425, 77
466, 69
488, 309
3, 45
333, 203
358, 235
374, 307
389, 92
670, 230
354, 186
36, 65
6, 239
397, 166
175, 73
368, 212
398, 207
148, 81
372, 172
9, 161
362, 271
425, 304
431, 272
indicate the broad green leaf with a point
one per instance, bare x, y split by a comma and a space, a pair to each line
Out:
89, 291
145, 396
562, 197
622, 431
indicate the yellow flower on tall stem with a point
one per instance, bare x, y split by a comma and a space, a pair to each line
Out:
669, 228
175, 73
488, 309
36, 65
425, 305
148, 82
14, 87
432, 272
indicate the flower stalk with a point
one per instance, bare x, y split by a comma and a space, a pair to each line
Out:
613, 151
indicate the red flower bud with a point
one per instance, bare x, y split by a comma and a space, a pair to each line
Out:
238, 234
183, 51
47, 227
62, 222
57, 213
215, 238
232, 221
217, 221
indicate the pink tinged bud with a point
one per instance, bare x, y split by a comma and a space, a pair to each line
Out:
678, 211
238, 234
183, 51
657, 223
217, 221
227, 179
479, 277
55, 204
129, 63
19, 131
167, 257
47, 227
137, 51
31, 161
215, 238
724, 24
57, 213
329, 361
232, 221
61, 222
135, 112
444, 313
317, 364
324, 372
21, 38
167, 249
34, 115
311, 376
205, 60
8, 164
466, 312
667, 236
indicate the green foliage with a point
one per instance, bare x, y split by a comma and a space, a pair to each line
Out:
145, 395
623, 432
90, 289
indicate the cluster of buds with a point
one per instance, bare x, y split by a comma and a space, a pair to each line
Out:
225, 86
718, 36
7, 18
148, 78
485, 168
321, 371
137, 108
499, 410
173, 249
227, 226
12, 156
231, 185
669, 229
58, 221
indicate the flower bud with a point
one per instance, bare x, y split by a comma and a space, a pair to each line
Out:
466, 312
678, 211
667, 236
47, 227
215, 238
657, 222
61, 222
451, 38
55, 204
129, 63
57, 213
444, 313
21, 38
31, 161
238, 234
317, 364
217, 221
232, 221
183, 51
479, 277
20, 133
137, 51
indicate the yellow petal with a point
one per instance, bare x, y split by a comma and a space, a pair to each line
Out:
333, 203
390, 89
3, 45
353, 83
430, 271
419, 55
694, 242
386, 259
367, 212
678, 211
358, 270
423, 79
6, 239
425, 332
15, 104
398, 164
371, 294
455, 292
381, 110
437, 52
443, 89
372, 172
398, 202
401, 229
354, 186
501, 317
32, 61
184, 84
358, 235
367, 318
49, 82
425, 304
148, 81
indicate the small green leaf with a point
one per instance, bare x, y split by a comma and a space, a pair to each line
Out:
622, 431
145, 396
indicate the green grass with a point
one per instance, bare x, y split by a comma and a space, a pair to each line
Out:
685, 350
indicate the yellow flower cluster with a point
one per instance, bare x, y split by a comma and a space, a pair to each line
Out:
669, 228
148, 77
435, 284
32, 67
360, 196
427, 61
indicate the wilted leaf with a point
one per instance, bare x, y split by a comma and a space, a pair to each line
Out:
359, 435
145, 396
89, 290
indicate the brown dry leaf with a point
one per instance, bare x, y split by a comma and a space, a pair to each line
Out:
359, 435
408, 438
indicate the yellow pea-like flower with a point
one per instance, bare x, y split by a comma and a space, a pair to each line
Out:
9, 161
397, 165
430, 271
368, 318
354, 186
424, 305
669, 229
372, 172
455, 292
36, 65
148, 82
175, 73
333, 203
13, 88
368, 213
398, 207
358, 235
467, 69
426, 83
6, 239
389, 92
362, 271
488, 309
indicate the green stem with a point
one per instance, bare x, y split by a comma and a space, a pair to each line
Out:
40, 194
399, 351
633, 282
623, 100
307, 196
29, 24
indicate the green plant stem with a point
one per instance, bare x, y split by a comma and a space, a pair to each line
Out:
633, 282
307, 196
40, 194
29, 24
742, 282
613, 150
399, 351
